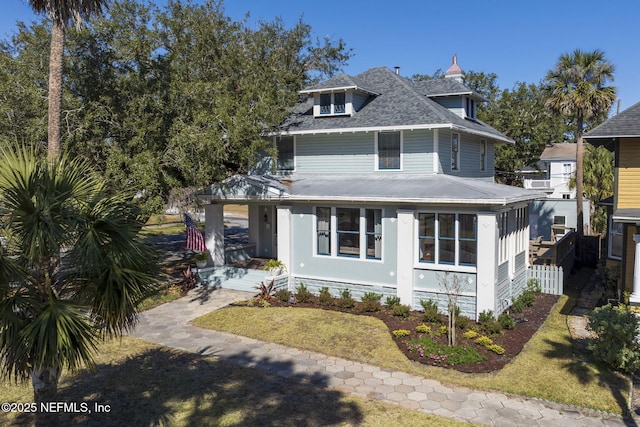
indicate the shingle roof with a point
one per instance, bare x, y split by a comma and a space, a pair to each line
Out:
625, 124
559, 152
381, 188
401, 103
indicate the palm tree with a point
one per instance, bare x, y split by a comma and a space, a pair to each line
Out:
577, 87
61, 13
55, 305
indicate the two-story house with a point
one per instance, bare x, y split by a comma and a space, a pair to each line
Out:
551, 217
383, 184
621, 134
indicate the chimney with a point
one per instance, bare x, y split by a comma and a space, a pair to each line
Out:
397, 68
454, 71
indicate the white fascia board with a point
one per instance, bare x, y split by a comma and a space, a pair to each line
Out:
483, 134
364, 129
410, 200
337, 89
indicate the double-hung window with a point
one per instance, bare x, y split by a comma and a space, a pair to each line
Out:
616, 230
455, 152
483, 154
348, 231
323, 230
333, 103
284, 146
389, 149
446, 238
373, 219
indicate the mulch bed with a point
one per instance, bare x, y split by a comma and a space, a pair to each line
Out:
512, 340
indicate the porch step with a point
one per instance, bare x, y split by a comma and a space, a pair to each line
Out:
240, 279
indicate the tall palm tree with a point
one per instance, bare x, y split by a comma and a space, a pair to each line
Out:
61, 13
56, 305
577, 87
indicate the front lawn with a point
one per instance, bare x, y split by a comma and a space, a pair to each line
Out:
548, 367
144, 384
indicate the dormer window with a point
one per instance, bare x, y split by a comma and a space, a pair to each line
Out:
470, 108
332, 103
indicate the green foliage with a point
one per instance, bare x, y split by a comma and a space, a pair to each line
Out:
55, 312
470, 334
439, 354
496, 349
401, 310
371, 301
283, 295
390, 301
463, 322
484, 341
345, 300
324, 297
616, 343
443, 330
431, 314
488, 323
533, 285
303, 294
506, 321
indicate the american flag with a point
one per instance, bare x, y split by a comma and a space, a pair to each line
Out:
195, 239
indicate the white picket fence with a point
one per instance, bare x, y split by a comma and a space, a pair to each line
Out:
550, 277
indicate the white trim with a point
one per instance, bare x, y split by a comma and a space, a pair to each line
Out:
342, 280
377, 159
436, 152
337, 89
436, 264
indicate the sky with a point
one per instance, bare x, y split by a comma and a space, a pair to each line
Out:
517, 40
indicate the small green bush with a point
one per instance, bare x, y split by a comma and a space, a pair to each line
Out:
371, 302
325, 297
486, 316
431, 313
283, 295
616, 345
345, 300
506, 321
401, 310
488, 323
390, 301
302, 293
442, 330
399, 333
463, 322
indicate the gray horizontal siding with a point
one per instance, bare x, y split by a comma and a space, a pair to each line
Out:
335, 153
417, 151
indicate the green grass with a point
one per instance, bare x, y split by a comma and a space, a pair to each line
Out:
145, 384
547, 368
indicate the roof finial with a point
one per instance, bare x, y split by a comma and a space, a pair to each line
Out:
454, 71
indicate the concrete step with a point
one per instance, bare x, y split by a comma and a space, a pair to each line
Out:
241, 279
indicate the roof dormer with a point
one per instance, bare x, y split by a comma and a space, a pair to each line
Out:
340, 96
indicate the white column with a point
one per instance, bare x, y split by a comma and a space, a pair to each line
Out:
214, 232
635, 295
405, 259
487, 267
284, 235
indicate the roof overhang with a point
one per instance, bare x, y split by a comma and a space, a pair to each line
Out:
627, 216
337, 89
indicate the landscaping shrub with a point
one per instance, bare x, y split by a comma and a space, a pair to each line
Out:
463, 322
401, 310
345, 300
496, 349
390, 301
399, 333
485, 316
442, 330
423, 329
265, 291
470, 335
371, 301
484, 341
303, 294
283, 295
442, 354
616, 345
325, 297
431, 313
488, 323
506, 321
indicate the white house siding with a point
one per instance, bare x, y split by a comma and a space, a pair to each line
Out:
335, 153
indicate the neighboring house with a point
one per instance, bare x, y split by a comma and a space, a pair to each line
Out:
621, 134
551, 217
383, 184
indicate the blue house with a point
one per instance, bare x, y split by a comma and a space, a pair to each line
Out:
384, 184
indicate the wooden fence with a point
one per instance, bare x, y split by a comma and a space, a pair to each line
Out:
550, 278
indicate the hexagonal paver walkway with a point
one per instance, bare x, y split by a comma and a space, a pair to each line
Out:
169, 325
